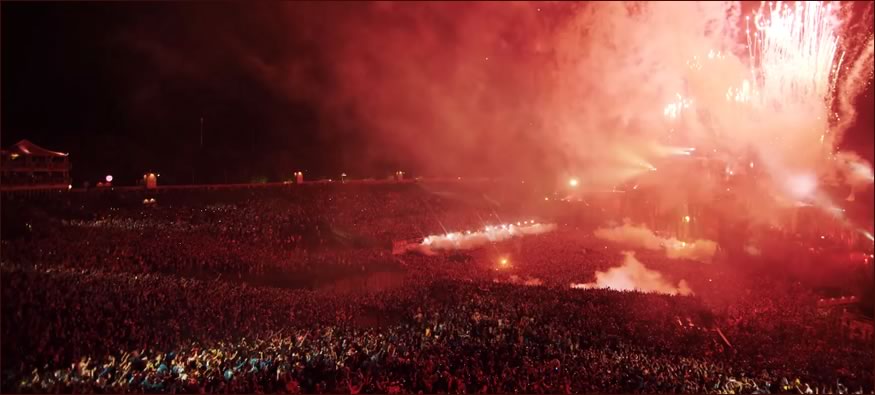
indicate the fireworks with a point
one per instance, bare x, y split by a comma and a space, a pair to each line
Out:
698, 87
777, 98
674, 110
793, 60
473, 239
794, 52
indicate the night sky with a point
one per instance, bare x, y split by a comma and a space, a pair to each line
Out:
123, 86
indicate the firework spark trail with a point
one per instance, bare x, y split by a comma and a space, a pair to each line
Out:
858, 76
796, 63
793, 63
469, 240
473, 239
783, 106
795, 58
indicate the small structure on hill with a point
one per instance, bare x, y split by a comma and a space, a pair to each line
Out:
26, 165
150, 180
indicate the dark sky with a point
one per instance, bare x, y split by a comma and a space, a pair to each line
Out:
122, 86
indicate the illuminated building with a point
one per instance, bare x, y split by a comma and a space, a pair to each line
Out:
26, 165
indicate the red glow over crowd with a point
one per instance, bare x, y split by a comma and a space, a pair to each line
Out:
296, 290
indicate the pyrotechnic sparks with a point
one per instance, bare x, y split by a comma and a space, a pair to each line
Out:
673, 110
795, 61
794, 52
664, 151
783, 104
473, 239
627, 92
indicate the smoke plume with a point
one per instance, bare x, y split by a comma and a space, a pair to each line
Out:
632, 275
641, 237
528, 281
606, 91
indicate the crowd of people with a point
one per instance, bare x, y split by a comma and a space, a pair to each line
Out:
221, 294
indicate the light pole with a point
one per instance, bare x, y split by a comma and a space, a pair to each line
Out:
199, 155
202, 132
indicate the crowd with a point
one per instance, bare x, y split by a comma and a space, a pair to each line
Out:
219, 296
260, 232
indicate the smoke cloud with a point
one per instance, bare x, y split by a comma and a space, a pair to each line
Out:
632, 275
752, 250
445, 88
528, 281
854, 170
642, 237
606, 91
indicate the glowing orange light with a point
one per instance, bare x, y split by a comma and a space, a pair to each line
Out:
572, 182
